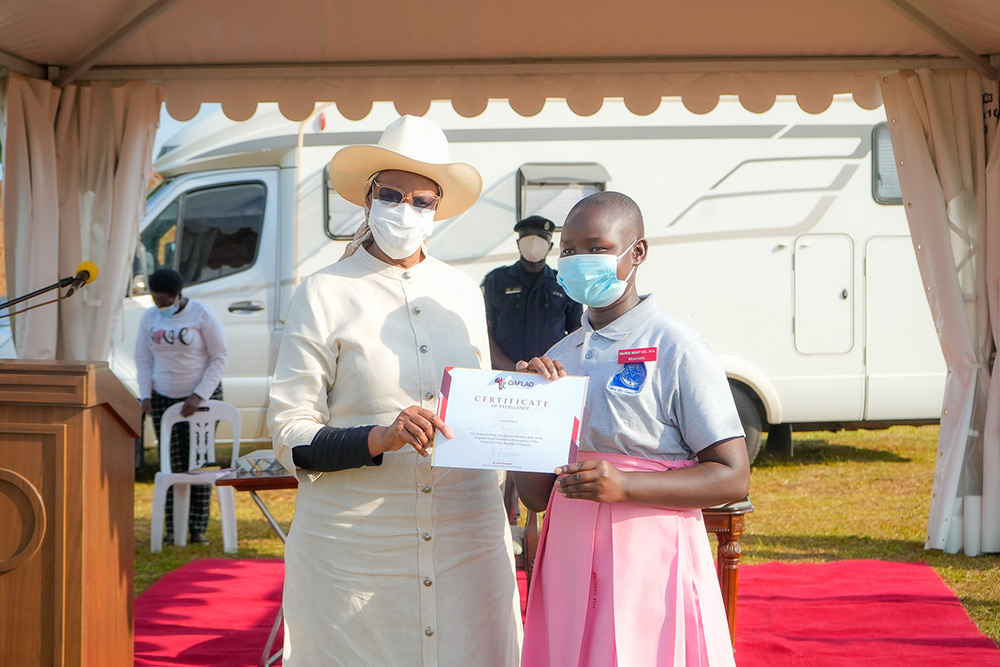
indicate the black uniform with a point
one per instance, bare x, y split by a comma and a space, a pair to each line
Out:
528, 317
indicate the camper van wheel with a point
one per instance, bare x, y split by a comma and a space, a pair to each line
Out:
750, 417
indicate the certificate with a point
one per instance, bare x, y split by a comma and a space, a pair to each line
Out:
509, 421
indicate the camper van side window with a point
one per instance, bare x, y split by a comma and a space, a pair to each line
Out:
552, 189
885, 178
207, 233
341, 216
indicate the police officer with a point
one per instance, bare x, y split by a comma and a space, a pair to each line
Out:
526, 310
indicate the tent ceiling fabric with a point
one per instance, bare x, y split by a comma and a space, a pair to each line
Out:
303, 51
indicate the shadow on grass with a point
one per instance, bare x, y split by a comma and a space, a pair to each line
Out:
812, 452
812, 548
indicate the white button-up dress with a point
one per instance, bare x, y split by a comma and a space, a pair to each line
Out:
400, 564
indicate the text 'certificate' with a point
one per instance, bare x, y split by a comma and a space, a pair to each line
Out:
509, 421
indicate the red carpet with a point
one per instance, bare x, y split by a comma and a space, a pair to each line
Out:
208, 612
219, 612
854, 613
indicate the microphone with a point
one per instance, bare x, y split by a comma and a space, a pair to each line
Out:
86, 273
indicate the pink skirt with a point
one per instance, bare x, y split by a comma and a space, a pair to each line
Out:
619, 584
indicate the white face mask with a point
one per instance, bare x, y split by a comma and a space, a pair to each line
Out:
533, 248
399, 230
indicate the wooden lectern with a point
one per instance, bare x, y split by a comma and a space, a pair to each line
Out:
66, 522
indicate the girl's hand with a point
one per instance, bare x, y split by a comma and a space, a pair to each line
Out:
592, 479
414, 426
146, 406
547, 368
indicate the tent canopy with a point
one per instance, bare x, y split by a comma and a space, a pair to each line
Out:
305, 51
74, 151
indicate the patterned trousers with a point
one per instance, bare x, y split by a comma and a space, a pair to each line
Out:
180, 444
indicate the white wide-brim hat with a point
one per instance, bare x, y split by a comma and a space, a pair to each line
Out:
413, 144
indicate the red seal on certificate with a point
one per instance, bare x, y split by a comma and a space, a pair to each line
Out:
636, 355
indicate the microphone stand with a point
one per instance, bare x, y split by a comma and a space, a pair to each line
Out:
62, 282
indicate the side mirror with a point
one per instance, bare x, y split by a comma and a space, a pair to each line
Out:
139, 285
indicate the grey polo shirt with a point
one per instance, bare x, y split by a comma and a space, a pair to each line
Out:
669, 408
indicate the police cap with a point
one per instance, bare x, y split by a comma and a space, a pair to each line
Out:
536, 225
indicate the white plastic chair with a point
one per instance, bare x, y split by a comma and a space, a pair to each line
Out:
203, 423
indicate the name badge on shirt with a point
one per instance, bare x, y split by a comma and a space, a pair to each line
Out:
637, 355
512, 290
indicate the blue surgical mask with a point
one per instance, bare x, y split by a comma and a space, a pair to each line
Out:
592, 279
171, 310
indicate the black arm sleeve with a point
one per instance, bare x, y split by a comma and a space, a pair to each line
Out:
335, 449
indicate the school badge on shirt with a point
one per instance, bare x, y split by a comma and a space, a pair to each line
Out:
633, 374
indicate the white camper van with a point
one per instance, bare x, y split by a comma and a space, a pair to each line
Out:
779, 236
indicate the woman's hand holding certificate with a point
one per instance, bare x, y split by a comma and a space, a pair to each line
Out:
414, 426
509, 421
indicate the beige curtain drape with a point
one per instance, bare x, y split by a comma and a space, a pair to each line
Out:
944, 134
77, 163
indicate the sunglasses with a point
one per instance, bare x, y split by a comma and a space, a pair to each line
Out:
393, 197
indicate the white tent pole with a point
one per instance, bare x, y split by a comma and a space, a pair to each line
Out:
20, 65
947, 35
520, 67
74, 71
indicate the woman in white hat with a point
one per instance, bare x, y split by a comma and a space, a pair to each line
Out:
389, 561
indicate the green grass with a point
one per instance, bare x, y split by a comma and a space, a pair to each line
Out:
843, 496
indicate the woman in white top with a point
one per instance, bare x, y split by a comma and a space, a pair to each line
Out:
389, 561
180, 355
